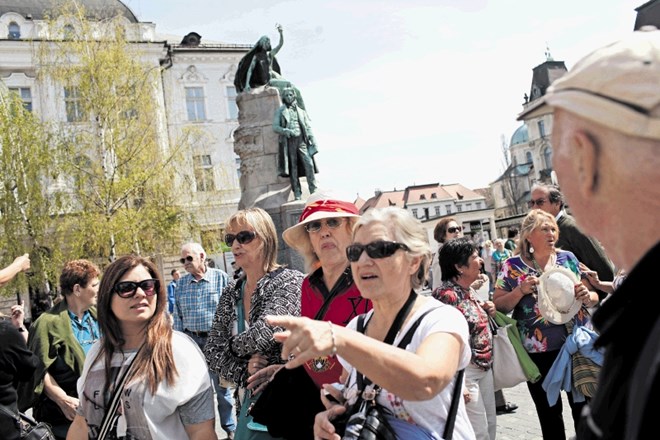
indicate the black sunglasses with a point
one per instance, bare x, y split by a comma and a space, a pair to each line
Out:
243, 237
316, 225
375, 249
455, 229
128, 289
189, 259
538, 202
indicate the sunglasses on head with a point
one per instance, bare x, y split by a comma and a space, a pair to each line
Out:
128, 289
243, 237
316, 225
455, 229
375, 249
538, 202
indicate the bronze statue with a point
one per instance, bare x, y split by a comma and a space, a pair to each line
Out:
259, 67
297, 144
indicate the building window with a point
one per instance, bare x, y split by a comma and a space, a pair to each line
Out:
25, 94
204, 173
478, 204
73, 104
231, 102
422, 197
459, 208
528, 156
448, 208
468, 206
541, 125
14, 31
547, 156
437, 210
414, 211
503, 191
195, 104
434, 196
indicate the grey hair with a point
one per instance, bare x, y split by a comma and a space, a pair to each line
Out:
554, 193
193, 247
407, 230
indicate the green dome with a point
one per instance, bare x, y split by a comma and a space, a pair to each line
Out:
520, 136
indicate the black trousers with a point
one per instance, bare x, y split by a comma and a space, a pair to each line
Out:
550, 417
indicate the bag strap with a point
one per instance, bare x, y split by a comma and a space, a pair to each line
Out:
391, 334
451, 417
115, 399
344, 282
9, 413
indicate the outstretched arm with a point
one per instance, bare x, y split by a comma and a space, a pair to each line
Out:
274, 52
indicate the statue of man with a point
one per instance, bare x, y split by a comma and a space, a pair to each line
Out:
297, 144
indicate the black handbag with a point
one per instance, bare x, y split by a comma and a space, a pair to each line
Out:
29, 428
290, 402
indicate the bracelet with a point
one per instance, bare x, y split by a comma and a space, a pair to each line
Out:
334, 341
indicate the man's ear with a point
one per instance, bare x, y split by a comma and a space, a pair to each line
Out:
585, 150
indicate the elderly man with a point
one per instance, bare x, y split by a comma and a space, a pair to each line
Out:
196, 298
587, 250
606, 140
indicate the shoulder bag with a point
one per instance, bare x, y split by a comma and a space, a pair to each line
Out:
29, 428
289, 403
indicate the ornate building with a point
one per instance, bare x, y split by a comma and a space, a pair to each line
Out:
195, 90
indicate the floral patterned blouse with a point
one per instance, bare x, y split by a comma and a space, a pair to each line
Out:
538, 335
467, 302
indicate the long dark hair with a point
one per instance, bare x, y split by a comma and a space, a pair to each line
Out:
155, 361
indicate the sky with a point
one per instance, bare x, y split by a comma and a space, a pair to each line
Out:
406, 92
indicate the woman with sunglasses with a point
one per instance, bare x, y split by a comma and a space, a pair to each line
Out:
389, 259
241, 341
328, 294
446, 229
167, 392
62, 338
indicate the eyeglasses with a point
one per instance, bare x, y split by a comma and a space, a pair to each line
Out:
128, 289
316, 225
538, 202
454, 229
375, 249
189, 259
243, 237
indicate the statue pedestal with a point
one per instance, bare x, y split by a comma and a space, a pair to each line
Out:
257, 145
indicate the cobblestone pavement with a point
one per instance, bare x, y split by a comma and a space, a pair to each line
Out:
524, 424
520, 425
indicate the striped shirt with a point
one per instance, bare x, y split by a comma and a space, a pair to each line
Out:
196, 300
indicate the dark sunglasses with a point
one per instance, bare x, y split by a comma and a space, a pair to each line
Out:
128, 289
455, 229
243, 237
375, 249
189, 259
538, 202
316, 225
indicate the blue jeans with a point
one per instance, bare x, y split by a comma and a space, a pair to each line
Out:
222, 395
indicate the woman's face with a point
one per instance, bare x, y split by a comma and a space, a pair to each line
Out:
139, 308
329, 244
543, 237
248, 256
453, 226
382, 279
472, 269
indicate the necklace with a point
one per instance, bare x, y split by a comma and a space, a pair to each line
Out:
540, 271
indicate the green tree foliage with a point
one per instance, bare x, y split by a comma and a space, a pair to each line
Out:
118, 159
28, 165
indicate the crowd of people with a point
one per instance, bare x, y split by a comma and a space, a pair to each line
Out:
358, 341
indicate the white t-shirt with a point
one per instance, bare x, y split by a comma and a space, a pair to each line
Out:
150, 416
429, 414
